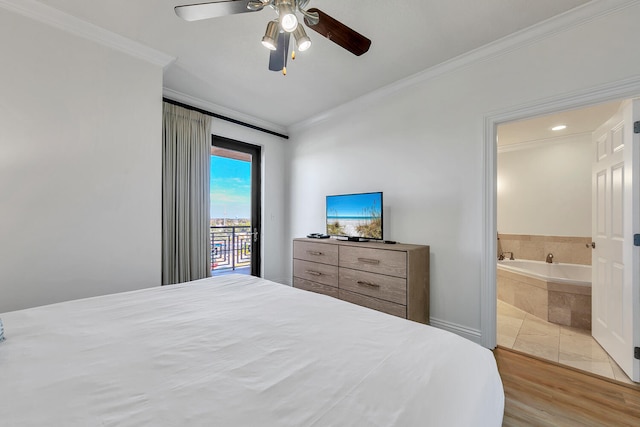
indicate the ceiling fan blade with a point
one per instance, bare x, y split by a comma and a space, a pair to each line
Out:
278, 58
339, 33
214, 9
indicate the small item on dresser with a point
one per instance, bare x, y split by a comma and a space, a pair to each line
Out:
1, 331
390, 242
318, 236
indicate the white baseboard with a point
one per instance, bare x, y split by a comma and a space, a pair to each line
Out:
471, 334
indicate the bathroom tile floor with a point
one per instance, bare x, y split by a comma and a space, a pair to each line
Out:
521, 331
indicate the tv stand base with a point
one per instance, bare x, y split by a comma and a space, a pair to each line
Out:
353, 239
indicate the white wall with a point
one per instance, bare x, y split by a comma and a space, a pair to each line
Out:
80, 167
545, 189
423, 146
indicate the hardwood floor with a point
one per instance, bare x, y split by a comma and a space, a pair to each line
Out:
542, 393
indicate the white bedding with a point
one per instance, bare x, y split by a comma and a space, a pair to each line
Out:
237, 351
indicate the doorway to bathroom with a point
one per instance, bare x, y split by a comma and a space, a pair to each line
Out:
544, 241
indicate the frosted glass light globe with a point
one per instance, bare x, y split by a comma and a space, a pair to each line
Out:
288, 22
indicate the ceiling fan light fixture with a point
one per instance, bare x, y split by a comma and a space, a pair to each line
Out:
289, 22
255, 5
270, 39
302, 40
288, 18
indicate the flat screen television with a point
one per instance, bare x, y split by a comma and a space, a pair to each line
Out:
355, 216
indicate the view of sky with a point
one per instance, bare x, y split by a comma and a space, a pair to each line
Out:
230, 188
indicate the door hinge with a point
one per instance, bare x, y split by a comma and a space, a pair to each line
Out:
636, 240
636, 127
636, 352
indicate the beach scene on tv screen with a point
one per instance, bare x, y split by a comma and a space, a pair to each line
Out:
355, 215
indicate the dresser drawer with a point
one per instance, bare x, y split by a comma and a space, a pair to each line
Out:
388, 288
315, 272
316, 252
315, 287
391, 263
373, 303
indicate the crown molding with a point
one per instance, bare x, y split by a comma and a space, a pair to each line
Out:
63, 21
539, 143
219, 109
612, 91
557, 24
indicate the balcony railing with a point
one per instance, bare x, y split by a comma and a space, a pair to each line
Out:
230, 247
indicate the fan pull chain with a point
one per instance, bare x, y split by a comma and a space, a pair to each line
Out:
284, 60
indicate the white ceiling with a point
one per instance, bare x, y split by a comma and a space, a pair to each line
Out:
579, 121
221, 60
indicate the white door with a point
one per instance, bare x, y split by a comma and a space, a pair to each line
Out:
616, 217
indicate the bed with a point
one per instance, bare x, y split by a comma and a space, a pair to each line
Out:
237, 351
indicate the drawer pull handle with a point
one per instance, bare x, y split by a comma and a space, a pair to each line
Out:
313, 273
314, 253
369, 261
369, 284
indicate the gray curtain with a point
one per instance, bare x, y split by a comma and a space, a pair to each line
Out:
186, 152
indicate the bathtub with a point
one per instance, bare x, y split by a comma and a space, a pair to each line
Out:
576, 274
558, 293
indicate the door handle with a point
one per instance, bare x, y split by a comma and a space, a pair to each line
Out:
591, 245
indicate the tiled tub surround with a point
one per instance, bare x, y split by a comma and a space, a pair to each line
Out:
558, 293
570, 250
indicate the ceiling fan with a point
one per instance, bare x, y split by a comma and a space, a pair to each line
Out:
279, 31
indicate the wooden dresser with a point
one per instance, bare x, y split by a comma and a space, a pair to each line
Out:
393, 278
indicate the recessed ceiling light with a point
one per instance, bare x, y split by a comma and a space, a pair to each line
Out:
559, 127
